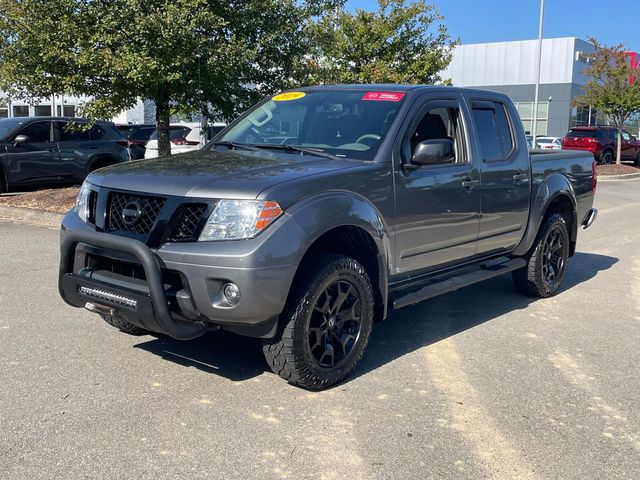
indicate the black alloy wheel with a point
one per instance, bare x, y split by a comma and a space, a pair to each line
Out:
553, 261
335, 324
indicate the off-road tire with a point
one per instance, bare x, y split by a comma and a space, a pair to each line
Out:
123, 325
531, 280
607, 157
289, 353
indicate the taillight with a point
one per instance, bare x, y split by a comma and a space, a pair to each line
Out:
594, 176
123, 142
182, 141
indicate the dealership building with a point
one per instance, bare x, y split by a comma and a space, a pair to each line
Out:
509, 68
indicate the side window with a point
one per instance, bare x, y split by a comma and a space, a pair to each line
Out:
37, 132
506, 137
67, 135
494, 132
439, 123
96, 132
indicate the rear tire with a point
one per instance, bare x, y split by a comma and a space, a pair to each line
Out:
326, 324
607, 157
636, 161
124, 326
547, 262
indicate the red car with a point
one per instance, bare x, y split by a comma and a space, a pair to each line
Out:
601, 141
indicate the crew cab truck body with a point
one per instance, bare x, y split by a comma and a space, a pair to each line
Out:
316, 213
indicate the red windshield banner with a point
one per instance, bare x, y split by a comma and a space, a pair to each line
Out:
383, 96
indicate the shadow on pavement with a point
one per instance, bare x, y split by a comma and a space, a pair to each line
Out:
406, 330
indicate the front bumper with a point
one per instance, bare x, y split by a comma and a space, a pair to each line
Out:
198, 307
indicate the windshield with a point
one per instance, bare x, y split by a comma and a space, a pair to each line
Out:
343, 123
7, 125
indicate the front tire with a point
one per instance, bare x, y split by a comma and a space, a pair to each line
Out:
547, 262
123, 325
326, 324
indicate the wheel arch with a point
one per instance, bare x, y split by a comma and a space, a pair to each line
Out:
555, 194
100, 160
347, 224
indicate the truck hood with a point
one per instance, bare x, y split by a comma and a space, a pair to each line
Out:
214, 174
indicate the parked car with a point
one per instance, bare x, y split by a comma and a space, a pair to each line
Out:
549, 143
184, 137
602, 142
137, 135
380, 197
44, 151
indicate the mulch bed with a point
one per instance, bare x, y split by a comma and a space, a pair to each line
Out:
58, 200
615, 169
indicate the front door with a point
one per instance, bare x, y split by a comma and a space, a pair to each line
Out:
35, 160
437, 206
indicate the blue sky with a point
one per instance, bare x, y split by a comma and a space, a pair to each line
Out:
475, 21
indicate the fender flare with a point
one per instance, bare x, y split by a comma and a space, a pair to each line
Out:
548, 191
319, 214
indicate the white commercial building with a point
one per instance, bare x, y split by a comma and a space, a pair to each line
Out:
509, 68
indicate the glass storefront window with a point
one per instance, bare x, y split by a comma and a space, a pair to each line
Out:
20, 111
4, 112
42, 110
69, 111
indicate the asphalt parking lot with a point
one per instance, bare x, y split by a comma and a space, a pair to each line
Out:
480, 383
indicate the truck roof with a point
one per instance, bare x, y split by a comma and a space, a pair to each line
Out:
391, 87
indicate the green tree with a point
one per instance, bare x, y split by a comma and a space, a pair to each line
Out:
611, 89
205, 56
401, 42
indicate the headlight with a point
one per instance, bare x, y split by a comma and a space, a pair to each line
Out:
82, 202
238, 219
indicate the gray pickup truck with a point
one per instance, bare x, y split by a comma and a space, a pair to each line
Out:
319, 210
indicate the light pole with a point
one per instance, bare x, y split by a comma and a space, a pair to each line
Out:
534, 127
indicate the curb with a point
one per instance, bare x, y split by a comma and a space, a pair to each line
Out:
618, 178
29, 215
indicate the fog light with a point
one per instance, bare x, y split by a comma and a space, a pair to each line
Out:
231, 293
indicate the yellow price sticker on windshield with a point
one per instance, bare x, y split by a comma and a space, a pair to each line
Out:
286, 96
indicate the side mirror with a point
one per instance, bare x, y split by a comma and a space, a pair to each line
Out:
433, 152
20, 139
634, 138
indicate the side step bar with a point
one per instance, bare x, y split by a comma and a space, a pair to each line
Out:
450, 284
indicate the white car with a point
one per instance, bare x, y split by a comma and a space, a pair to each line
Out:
184, 137
549, 143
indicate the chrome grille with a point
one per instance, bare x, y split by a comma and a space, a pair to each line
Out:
149, 208
189, 223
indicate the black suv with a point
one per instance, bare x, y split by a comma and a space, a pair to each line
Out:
44, 151
137, 135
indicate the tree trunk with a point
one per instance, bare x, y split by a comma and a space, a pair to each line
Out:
619, 147
162, 124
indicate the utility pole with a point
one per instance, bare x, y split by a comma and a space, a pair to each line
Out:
534, 127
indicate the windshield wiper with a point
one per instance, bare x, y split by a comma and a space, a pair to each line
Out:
234, 145
295, 148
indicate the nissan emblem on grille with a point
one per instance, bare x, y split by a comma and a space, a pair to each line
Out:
131, 213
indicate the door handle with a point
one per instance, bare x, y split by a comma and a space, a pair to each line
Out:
469, 184
521, 177
52, 149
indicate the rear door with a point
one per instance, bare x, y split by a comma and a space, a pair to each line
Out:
437, 206
35, 161
506, 182
627, 145
75, 147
